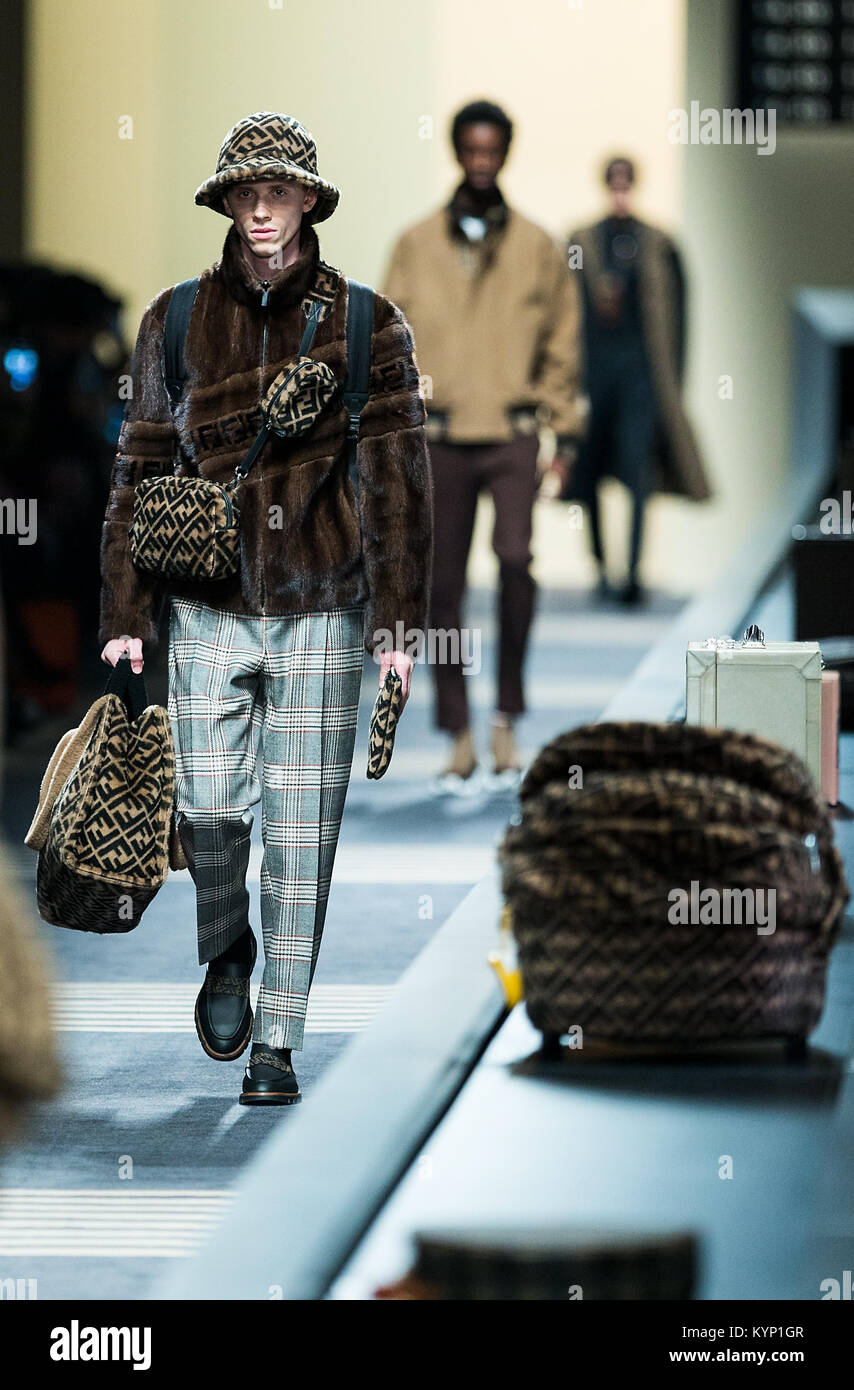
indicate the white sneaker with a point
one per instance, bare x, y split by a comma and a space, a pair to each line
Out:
508, 780
452, 784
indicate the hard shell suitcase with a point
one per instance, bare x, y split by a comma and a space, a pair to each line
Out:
772, 689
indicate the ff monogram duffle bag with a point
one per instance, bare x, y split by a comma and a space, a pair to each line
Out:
187, 527
104, 827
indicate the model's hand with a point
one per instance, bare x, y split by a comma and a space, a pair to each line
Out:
402, 664
554, 479
118, 646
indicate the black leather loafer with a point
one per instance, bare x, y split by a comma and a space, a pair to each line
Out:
269, 1078
224, 1016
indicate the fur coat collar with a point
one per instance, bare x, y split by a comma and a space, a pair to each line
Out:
287, 287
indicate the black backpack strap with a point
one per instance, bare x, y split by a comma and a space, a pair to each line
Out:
312, 320
360, 327
178, 312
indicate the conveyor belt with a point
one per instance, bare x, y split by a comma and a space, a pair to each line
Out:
381, 1152
641, 1144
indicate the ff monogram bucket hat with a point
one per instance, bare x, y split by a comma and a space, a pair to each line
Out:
268, 145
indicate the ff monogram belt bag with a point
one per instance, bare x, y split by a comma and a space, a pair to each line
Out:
188, 527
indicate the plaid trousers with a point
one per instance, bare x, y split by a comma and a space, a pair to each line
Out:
289, 688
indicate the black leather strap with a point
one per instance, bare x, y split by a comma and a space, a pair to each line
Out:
178, 312
264, 433
129, 686
257, 445
360, 323
310, 329
360, 326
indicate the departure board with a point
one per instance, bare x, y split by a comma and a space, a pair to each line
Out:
797, 57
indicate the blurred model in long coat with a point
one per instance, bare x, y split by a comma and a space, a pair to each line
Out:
634, 337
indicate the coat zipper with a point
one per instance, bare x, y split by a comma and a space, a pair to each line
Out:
265, 296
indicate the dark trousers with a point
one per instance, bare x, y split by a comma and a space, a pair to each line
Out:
623, 417
460, 471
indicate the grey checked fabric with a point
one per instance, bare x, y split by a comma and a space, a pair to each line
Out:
277, 696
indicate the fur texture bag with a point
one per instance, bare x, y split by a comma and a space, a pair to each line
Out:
383, 724
189, 528
185, 528
640, 879
104, 827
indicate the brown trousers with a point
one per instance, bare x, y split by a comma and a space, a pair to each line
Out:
460, 471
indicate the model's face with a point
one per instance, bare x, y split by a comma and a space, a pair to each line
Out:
267, 214
481, 153
620, 194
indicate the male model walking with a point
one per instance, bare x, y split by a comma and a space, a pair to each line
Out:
274, 655
496, 317
634, 328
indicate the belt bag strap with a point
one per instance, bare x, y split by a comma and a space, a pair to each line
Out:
360, 323
264, 433
360, 315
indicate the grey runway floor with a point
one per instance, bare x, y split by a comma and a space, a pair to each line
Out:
133, 1163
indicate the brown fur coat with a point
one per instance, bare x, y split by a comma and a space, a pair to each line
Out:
312, 557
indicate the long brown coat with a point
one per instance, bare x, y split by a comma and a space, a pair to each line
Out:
677, 466
315, 559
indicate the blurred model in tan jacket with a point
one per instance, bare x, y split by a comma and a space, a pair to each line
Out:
497, 322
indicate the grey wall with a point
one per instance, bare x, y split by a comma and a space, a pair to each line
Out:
756, 227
